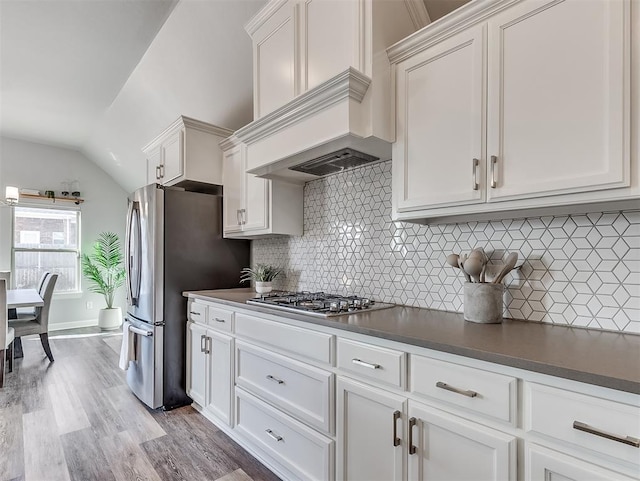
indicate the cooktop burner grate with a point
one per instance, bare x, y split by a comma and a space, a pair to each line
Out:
318, 303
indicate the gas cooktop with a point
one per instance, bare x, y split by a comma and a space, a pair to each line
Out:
318, 303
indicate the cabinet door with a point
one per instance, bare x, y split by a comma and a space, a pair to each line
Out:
370, 441
233, 179
197, 378
274, 61
558, 98
172, 157
438, 154
153, 167
441, 441
256, 213
220, 375
543, 463
331, 43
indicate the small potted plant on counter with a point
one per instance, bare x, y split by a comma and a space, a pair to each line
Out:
262, 275
105, 272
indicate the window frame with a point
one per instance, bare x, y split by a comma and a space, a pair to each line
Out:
78, 251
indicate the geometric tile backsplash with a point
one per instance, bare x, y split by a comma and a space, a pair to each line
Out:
582, 270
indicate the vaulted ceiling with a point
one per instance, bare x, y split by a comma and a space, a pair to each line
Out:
106, 76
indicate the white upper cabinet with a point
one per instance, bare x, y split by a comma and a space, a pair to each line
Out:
253, 206
439, 124
508, 105
187, 151
273, 59
557, 98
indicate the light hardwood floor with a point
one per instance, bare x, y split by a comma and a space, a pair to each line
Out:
75, 419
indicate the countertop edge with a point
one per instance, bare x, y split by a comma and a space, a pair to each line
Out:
539, 366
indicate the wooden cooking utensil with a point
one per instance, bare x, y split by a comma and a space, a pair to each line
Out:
509, 264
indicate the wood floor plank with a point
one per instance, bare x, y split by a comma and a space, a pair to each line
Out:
67, 408
140, 424
85, 459
104, 418
43, 455
114, 343
123, 435
11, 442
237, 475
254, 468
126, 459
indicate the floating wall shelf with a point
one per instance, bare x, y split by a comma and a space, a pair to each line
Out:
75, 200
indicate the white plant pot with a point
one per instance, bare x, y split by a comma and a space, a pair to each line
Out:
110, 319
263, 287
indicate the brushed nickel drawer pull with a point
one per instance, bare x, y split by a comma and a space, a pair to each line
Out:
273, 435
396, 439
194, 313
446, 387
207, 345
274, 379
157, 172
362, 363
219, 320
202, 342
412, 423
631, 441
494, 161
474, 173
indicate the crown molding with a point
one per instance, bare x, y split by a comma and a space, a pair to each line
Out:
187, 122
464, 17
263, 15
348, 84
418, 13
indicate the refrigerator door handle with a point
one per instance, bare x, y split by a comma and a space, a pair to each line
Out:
132, 264
142, 332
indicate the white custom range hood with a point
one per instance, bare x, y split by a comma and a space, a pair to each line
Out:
322, 85
327, 129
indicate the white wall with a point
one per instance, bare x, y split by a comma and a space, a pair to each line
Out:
30, 165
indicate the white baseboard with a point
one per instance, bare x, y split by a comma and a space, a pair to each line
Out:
59, 326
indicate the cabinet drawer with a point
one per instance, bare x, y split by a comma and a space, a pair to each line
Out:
380, 364
197, 312
220, 319
565, 415
306, 343
301, 390
486, 393
307, 454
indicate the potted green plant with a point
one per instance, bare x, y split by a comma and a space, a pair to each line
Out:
262, 275
104, 269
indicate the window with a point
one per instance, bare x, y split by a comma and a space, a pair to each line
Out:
46, 240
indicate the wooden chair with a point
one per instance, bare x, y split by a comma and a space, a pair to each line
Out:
6, 333
38, 323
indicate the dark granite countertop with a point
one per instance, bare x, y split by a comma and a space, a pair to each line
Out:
603, 358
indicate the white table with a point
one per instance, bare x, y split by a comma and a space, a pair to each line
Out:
23, 298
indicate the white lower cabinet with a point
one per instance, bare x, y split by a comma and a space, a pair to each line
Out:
209, 375
446, 447
316, 403
370, 433
379, 431
548, 465
305, 453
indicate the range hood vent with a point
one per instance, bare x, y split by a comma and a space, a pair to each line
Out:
335, 162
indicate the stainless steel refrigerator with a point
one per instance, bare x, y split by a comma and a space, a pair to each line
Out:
173, 243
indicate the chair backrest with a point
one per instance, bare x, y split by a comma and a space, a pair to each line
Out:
41, 282
4, 322
42, 314
6, 275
